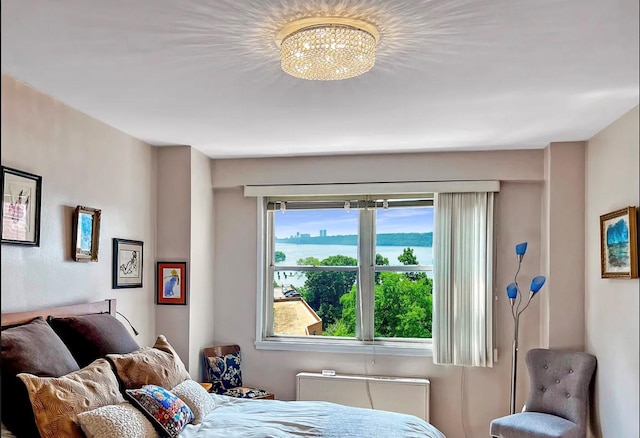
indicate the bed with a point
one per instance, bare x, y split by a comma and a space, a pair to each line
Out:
90, 378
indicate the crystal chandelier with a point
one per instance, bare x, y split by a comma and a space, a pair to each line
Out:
327, 48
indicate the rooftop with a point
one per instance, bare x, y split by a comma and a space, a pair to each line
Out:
293, 316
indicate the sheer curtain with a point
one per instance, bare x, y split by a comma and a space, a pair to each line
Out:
463, 279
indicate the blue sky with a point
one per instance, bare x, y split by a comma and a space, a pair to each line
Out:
338, 221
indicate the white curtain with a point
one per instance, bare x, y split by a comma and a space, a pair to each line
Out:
463, 279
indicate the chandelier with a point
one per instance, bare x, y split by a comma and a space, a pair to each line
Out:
327, 48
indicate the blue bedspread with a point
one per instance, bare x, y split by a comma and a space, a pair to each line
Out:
273, 418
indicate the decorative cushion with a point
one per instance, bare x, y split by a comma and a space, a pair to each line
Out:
196, 397
116, 421
159, 366
57, 401
29, 348
90, 337
162, 407
244, 392
224, 372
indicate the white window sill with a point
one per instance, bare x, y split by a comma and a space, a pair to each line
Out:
319, 345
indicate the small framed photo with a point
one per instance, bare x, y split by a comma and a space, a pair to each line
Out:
619, 244
171, 283
86, 234
22, 193
127, 263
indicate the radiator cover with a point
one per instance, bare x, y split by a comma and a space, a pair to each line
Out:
396, 394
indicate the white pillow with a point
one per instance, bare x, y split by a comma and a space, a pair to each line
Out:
196, 397
5, 433
113, 421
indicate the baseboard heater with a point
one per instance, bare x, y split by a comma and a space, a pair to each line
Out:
396, 394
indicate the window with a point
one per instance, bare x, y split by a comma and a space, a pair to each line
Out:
346, 271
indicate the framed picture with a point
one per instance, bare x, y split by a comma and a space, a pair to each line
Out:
127, 263
86, 234
171, 283
619, 244
21, 207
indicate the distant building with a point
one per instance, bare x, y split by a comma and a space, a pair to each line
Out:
323, 233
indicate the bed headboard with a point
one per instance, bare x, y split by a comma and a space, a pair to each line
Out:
106, 306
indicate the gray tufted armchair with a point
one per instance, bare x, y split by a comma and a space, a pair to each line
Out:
558, 397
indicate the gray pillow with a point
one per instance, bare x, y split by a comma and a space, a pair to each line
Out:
90, 337
29, 348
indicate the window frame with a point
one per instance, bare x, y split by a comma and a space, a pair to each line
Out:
364, 342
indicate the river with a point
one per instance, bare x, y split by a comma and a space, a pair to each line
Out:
295, 252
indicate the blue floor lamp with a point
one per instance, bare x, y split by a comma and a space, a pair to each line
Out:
513, 292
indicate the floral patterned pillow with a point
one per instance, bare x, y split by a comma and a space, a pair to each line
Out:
224, 372
165, 409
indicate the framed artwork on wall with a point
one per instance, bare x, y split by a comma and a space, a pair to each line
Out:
171, 283
127, 263
619, 244
85, 234
21, 200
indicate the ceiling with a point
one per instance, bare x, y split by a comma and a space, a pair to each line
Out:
450, 74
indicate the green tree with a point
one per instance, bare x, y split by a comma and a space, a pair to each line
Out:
323, 289
380, 261
340, 328
280, 256
408, 258
402, 308
309, 261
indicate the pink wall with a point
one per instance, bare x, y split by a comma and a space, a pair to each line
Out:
612, 305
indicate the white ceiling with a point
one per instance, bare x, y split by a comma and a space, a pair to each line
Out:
450, 74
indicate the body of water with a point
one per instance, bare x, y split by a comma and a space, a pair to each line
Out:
294, 252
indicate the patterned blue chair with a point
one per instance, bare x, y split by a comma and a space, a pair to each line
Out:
222, 364
558, 398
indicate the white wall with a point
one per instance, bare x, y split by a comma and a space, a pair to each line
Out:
612, 305
486, 391
202, 262
82, 162
185, 233
173, 240
562, 307
162, 196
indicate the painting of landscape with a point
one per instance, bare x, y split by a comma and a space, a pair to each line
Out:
618, 244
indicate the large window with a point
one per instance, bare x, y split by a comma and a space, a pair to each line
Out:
348, 270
